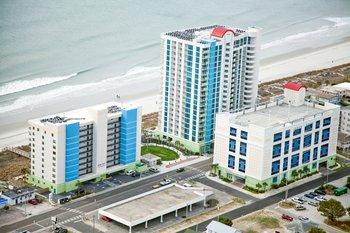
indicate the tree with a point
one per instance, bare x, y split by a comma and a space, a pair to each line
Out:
225, 221
258, 186
300, 173
214, 167
294, 174
332, 208
306, 169
316, 230
264, 184
348, 182
348, 210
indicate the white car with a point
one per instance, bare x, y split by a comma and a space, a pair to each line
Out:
153, 169
320, 198
187, 185
296, 200
303, 219
165, 182
130, 172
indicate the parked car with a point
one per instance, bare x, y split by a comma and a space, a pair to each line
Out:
33, 202
130, 172
320, 192
303, 219
181, 169
296, 200
300, 207
320, 198
135, 174
153, 169
60, 230
105, 218
287, 217
302, 199
312, 203
165, 182
308, 195
313, 194
187, 185
156, 186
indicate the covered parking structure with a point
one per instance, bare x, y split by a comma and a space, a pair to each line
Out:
153, 204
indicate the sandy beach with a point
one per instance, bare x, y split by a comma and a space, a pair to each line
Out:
146, 92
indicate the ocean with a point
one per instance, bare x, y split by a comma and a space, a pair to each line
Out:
56, 55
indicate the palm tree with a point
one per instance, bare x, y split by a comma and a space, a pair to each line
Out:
264, 184
294, 174
258, 186
306, 169
214, 167
300, 173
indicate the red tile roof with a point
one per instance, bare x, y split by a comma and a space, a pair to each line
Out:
293, 86
220, 31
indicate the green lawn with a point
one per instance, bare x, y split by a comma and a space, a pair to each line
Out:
164, 153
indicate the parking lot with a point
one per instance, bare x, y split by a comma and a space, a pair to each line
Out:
315, 217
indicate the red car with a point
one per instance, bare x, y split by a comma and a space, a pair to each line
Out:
105, 218
287, 217
33, 202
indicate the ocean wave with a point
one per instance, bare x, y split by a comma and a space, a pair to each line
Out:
134, 75
22, 85
338, 22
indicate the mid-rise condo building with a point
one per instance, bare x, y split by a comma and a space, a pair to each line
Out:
205, 70
267, 143
83, 144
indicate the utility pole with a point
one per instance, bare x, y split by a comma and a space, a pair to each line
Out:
93, 223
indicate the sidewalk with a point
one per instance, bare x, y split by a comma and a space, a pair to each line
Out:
268, 193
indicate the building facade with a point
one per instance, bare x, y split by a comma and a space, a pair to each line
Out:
18, 196
268, 142
84, 144
205, 70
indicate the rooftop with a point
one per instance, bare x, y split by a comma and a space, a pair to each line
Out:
221, 228
277, 113
18, 192
203, 32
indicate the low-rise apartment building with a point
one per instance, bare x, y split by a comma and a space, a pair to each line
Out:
83, 144
266, 143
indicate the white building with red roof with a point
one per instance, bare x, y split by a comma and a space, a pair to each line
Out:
205, 70
268, 143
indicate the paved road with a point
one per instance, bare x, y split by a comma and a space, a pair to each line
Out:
70, 212
260, 204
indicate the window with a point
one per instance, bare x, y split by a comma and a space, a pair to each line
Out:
317, 125
314, 165
315, 153
326, 121
274, 179
231, 161
317, 134
306, 156
277, 137
275, 167
307, 140
233, 131
285, 164
308, 128
296, 144
232, 145
324, 150
244, 134
297, 131
243, 148
287, 133
241, 167
286, 147
325, 134
294, 161
276, 151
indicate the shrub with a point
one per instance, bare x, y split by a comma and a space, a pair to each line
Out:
253, 190
225, 221
316, 230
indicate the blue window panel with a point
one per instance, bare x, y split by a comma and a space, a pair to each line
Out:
314, 165
275, 168
296, 144
286, 147
326, 121
297, 131
128, 136
317, 125
306, 156
316, 137
315, 154
244, 135
276, 151
277, 137
325, 134
324, 150
231, 161
308, 128
287, 133
243, 148
294, 162
241, 166
307, 140
274, 179
285, 164
232, 145
233, 132
72, 152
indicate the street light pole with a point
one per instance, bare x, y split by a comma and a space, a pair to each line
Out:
93, 223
